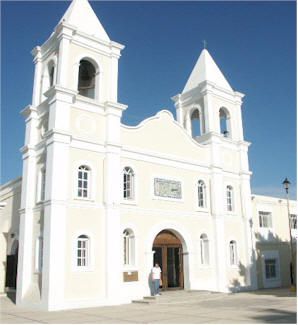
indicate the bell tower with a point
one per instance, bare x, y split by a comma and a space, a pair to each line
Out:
74, 107
208, 99
210, 111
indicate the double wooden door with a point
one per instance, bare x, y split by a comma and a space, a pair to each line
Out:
170, 259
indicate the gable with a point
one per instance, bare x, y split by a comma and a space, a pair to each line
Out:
162, 135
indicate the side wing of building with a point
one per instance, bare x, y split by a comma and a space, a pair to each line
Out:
273, 243
10, 200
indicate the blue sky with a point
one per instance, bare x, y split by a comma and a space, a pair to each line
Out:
253, 43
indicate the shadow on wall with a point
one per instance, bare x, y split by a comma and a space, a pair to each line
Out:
264, 243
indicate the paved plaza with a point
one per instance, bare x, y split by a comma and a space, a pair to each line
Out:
180, 307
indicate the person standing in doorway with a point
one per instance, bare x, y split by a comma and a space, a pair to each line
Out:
156, 279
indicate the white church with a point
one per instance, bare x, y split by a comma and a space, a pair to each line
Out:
99, 201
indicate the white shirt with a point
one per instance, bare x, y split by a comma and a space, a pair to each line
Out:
156, 273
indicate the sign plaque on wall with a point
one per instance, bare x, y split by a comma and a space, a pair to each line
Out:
167, 188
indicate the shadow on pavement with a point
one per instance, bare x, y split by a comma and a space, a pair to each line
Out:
282, 292
276, 316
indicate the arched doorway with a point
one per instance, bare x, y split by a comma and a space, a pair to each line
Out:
12, 266
168, 253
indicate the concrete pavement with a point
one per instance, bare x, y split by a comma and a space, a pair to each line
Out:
173, 307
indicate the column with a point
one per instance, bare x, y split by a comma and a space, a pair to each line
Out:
112, 191
217, 208
37, 76
25, 266
63, 57
250, 272
56, 198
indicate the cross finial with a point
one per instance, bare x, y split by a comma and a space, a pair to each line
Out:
204, 44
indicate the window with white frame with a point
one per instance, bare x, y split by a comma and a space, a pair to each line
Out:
293, 221
128, 247
230, 198
201, 194
38, 254
204, 243
233, 252
270, 268
265, 219
128, 183
83, 181
83, 247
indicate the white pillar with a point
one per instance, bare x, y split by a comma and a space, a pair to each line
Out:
217, 208
37, 77
113, 89
251, 272
63, 58
211, 123
54, 236
112, 173
188, 123
56, 196
25, 261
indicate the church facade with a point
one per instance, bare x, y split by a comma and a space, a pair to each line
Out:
99, 202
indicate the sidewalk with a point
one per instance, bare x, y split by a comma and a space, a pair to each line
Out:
180, 307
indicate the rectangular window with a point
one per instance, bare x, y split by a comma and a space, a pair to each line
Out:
270, 268
293, 221
265, 219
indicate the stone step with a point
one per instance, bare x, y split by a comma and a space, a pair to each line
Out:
145, 300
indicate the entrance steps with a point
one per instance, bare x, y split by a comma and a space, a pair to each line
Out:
175, 296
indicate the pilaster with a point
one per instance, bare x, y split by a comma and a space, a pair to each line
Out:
112, 192
25, 267
37, 76
217, 208
55, 214
65, 35
251, 272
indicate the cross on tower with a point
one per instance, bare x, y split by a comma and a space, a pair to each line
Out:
204, 44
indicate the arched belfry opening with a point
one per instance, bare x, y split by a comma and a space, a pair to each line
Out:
86, 82
225, 122
168, 253
197, 127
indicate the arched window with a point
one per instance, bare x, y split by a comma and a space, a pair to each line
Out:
230, 198
128, 183
83, 181
201, 194
197, 127
204, 243
225, 123
233, 253
83, 247
128, 247
86, 84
